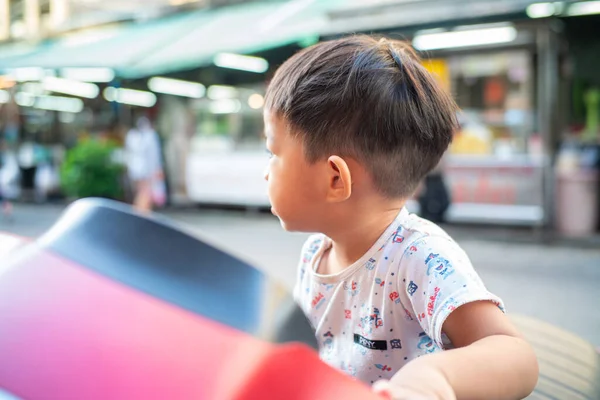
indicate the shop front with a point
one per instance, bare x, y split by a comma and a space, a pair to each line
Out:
227, 156
495, 167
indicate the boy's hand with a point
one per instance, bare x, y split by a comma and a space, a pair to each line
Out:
416, 382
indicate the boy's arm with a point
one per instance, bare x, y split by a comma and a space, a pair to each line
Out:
491, 361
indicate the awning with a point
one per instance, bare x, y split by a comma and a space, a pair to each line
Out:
15, 50
182, 41
113, 47
245, 29
376, 15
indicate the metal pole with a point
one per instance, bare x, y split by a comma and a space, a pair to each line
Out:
548, 114
59, 13
4, 19
32, 18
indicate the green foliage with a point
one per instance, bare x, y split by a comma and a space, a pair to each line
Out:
89, 171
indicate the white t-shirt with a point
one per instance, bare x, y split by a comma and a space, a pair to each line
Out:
143, 154
388, 307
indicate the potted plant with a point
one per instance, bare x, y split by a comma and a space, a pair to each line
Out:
90, 170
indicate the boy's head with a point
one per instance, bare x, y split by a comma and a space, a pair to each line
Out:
367, 102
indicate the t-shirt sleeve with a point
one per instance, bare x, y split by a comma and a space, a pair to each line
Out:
437, 277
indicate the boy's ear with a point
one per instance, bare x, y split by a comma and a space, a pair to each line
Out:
340, 180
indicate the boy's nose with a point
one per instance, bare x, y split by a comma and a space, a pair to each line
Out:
266, 173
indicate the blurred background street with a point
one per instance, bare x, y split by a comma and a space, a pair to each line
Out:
558, 284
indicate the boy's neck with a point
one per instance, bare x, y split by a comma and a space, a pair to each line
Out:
355, 234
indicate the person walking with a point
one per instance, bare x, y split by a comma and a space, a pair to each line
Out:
144, 165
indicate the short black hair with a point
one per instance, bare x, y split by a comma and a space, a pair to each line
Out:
370, 99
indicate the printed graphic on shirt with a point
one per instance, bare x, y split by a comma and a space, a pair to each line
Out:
398, 238
438, 266
328, 341
415, 246
383, 367
425, 343
412, 288
396, 343
370, 344
371, 264
318, 301
395, 297
431, 303
311, 250
353, 287
451, 304
371, 321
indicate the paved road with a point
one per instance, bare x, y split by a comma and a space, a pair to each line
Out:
558, 284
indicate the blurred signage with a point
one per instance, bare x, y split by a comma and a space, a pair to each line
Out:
357, 15
497, 183
439, 68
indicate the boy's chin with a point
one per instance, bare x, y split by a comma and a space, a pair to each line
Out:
286, 225
291, 224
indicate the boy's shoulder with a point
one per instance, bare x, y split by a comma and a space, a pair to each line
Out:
415, 228
428, 243
409, 226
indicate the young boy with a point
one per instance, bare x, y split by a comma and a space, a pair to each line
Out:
353, 125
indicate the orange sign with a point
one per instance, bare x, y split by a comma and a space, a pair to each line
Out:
6, 82
439, 68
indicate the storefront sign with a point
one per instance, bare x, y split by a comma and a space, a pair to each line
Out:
499, 183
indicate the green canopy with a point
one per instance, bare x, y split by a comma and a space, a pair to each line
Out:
113, 47
178, 42
16, 50
244, 29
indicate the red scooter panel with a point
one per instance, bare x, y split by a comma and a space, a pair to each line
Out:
67, 332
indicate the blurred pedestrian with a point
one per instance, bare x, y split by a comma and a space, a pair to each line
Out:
9, 169
29, 156
434, 198
144, 165
5, 203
